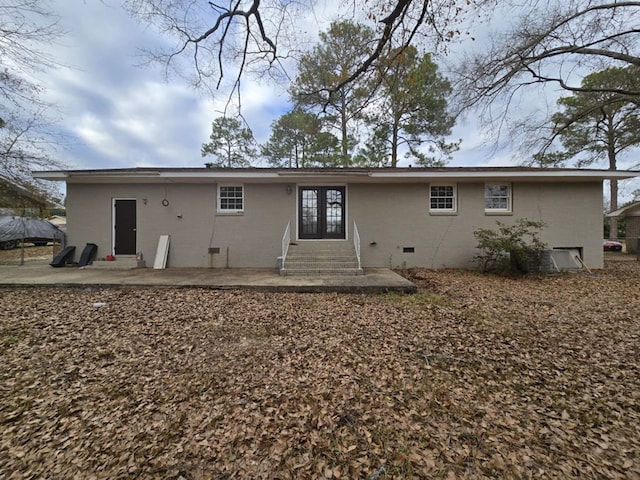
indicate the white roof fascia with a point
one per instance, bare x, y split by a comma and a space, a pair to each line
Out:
330, 173
64, 175
452, 174
523, 174
233, 175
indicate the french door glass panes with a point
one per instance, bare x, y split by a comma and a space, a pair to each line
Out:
309, 213
322, 212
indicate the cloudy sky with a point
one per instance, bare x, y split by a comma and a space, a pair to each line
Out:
115, 113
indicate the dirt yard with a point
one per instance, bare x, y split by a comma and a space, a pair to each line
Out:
31, 252
474, 377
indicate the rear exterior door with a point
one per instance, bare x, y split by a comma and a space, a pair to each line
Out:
124, 224
321, 213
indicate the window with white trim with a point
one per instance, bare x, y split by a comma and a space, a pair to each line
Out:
497, 197
442, 198
230, 198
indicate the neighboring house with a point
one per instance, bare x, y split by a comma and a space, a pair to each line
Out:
397, 217
632, 213
58, 221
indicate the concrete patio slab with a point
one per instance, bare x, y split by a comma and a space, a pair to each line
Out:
40, 273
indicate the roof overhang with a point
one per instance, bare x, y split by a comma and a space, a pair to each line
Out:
380, 175
631, 210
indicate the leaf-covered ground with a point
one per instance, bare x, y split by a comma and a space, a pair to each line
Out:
474, 377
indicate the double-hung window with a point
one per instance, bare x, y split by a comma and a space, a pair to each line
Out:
442, 198
230, 198
497, 198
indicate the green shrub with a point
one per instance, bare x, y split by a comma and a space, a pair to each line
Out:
513, 248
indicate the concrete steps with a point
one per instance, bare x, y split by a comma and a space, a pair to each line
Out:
122, 262
321, 258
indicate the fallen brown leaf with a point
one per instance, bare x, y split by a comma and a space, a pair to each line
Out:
474, 377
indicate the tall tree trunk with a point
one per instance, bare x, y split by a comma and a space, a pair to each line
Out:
613, 184
345, 145
613, 221
394, 142
297, 156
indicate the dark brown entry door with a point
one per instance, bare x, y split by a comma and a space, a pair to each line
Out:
321, 212
125, 227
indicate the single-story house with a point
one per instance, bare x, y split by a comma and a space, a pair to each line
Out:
632, 213
393, 217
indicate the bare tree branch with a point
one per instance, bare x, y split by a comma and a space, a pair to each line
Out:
26, 140
569, 35
268, 31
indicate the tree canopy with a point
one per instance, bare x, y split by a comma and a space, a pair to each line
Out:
231, 144
413, 108
403, 104
340, 50
542, 42
596, 125
297, 141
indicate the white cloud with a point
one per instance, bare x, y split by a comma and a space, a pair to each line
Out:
117, 114
120, 115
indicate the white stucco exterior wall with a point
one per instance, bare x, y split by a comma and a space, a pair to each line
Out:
390, 217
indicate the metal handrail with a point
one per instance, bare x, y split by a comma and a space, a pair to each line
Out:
286, 240
356, 243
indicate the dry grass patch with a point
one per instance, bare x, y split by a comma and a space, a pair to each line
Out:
474, 377
30, 253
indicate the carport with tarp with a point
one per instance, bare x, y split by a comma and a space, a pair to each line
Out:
14, 229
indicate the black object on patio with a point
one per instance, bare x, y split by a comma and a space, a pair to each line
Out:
88, 254
62, 258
